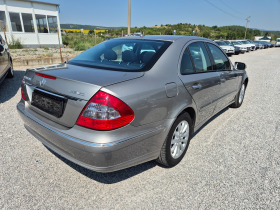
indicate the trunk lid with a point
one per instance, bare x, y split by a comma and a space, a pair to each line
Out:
74, 83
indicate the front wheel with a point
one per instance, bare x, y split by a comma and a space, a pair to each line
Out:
239, 97
177, 141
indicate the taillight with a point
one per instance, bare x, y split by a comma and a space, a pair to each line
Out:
45, 76
105, 112
22, 95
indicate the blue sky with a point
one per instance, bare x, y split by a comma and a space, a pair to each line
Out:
265, 14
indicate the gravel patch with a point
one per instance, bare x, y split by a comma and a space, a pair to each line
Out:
232, 163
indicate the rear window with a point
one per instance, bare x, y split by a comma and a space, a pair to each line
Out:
123, 55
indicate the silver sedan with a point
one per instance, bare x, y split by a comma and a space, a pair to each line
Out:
130, 100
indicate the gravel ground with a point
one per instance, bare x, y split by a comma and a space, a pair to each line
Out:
37, 53
232, 163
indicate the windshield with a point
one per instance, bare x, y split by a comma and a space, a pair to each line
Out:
278, 40
245, 42
123, 55
228, 43
221, 43
236, 43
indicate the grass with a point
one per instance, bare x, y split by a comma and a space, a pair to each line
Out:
79, 41
15, 44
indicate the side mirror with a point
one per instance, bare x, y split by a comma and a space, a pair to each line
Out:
1, 48
240, 66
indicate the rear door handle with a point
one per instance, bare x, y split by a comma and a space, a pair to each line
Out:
197, 86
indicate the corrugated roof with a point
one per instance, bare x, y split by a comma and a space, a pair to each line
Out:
41, 2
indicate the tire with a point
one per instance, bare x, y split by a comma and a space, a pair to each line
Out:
239, 97
11, 70
181, 144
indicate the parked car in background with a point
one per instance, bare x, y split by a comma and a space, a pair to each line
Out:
277, 44
252, 42
237, 49
271, 45
109, 109
243, 47
259, 45
264, 43
6, 64
252, 46
229, 50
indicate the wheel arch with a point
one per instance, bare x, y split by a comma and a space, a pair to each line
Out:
191, 111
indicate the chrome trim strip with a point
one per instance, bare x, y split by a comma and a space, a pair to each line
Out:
44, 91
94, 144
61, 96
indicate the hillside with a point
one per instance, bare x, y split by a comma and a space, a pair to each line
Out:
212, 32
86, 27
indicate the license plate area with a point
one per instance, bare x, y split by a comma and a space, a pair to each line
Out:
50, 103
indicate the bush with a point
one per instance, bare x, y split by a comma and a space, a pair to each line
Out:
46, 48
15, 44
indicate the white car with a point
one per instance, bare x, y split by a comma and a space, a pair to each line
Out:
251, 45
229, 50
277, 44
243, 48
248, 46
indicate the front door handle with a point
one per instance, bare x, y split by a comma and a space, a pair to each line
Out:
197, 86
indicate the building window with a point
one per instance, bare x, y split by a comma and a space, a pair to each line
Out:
3, 23
42, 24
52, 20
28, 24
15, 21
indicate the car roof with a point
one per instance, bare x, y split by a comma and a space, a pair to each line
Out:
165, 37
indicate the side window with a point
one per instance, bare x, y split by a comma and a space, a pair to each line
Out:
186, 63
15, 22
200, 57
27, 20
220, 60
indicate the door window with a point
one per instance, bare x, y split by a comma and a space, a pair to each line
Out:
200, 57
220, 60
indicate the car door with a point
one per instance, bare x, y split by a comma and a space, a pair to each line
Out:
199, 79
2, 59
228, 77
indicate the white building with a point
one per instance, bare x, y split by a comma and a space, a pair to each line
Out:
260, 38
34, 23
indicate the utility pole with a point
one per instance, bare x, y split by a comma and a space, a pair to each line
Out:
94, 36
129, 17
247, 20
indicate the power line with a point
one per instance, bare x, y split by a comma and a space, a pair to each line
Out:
228, 6
226, 12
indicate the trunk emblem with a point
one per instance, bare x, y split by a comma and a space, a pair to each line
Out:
76, 92
42, 82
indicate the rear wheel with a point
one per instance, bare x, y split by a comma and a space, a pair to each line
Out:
177, 141
239, 97
11, 70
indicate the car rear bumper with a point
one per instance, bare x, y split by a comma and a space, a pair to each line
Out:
143, 146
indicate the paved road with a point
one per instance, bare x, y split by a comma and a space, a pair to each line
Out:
232, 163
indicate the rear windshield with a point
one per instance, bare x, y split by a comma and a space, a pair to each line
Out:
123, 55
